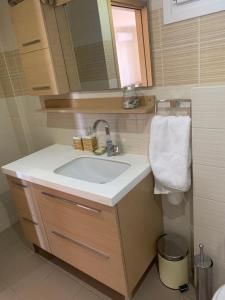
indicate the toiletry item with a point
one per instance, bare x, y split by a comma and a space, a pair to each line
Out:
90, 143
203, 275
131, 100
100, 150
77, 143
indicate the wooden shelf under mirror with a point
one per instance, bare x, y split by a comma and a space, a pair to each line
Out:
97, 106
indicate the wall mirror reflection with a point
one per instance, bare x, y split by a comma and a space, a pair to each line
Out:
110, 43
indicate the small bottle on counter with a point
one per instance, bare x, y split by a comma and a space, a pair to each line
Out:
89, 141
78, 143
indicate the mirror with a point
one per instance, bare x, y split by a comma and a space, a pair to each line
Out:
109, 43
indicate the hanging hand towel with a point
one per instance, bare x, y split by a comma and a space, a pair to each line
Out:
170, 153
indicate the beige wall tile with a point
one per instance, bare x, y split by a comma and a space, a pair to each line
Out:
209, 214
209, 182
157, 67
212, 27
212, 61
208, 107
155, 4
180, 65
180, 34
209, 147
155, 23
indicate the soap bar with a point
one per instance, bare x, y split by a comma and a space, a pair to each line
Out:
100, 151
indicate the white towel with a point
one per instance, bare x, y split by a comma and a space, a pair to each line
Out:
170, 153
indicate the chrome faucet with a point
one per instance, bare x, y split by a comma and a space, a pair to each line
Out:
110, 147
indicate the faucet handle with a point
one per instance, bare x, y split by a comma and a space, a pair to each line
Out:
116, 149
112, 150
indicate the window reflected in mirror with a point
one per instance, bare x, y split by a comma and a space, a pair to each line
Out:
129, 51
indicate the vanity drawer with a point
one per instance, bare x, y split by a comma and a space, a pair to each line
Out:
86, 220
104, 266
28, 211
32, 232
22, 197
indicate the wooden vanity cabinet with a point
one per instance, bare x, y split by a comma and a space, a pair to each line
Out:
40, 48
114, 245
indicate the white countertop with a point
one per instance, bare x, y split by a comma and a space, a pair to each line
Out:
39, 168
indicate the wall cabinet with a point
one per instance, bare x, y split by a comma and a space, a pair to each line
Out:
40, 48
114, 245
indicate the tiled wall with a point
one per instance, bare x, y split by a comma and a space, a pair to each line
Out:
9, 151
209, 175
188, 52
12, 135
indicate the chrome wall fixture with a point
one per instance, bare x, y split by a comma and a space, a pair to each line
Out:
181, 2
174, 106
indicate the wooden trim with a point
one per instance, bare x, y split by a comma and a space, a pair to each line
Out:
143, 35
114, 43
130, 3
141, 50
98, 105
147, 46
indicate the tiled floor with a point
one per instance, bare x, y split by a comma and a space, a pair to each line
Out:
25, 275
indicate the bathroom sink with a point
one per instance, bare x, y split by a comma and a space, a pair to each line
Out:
93, 169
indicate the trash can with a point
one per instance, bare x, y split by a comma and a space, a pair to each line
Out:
173, 261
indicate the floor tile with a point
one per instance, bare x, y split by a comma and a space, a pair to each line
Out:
85, 294
26, 285
10, 236
17, 263
57, 286
8, 295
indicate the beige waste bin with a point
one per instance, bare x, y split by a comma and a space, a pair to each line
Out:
173, 261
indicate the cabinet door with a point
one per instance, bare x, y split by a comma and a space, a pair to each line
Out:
28, 212
84, 234
93, 44
29, 24
39, 73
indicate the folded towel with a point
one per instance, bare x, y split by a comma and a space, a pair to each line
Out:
170, 153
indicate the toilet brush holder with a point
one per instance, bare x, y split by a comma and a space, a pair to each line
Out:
203, 275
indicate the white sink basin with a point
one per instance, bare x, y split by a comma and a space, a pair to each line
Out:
93, 169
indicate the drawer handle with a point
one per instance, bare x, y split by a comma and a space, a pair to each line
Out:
20, 184
30, 221
94, 210
31, 42
76, 242
41, 88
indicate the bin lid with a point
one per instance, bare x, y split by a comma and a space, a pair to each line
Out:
172, 247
